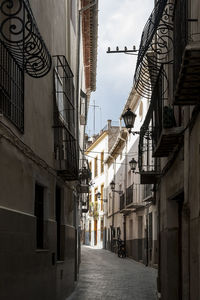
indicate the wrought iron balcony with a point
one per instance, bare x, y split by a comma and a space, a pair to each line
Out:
155, 45
165, 133
159, 133
11, 88
20, 35
136, 194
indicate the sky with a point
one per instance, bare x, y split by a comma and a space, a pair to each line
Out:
121, 23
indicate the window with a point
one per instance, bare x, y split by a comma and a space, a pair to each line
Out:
11, 89
90, 202
39, 213
83, 108
110, 203
90, 167
65, 146
95, 166
102, 162
102, 225
102, 196
95, 194
64, 94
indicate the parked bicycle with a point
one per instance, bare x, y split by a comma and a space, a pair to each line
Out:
121, 248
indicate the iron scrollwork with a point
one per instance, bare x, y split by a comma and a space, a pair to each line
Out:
21, 37
155, 46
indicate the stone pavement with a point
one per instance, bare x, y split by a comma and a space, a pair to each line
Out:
104, 276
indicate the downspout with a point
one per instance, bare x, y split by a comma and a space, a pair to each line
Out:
125, 185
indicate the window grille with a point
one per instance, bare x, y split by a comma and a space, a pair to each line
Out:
11, 88
66, 154
64, 94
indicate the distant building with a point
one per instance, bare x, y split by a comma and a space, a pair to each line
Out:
132, 214
96, 153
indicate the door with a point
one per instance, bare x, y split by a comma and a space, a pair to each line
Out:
95, 232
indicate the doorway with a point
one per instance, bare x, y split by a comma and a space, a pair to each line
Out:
95, 232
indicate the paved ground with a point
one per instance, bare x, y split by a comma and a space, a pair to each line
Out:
104, 276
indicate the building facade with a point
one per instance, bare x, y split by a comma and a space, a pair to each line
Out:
167, 73
132, 212
43, 79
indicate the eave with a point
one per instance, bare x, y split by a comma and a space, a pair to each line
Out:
90, 32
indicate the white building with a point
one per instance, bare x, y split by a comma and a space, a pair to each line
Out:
95, 222
131, 211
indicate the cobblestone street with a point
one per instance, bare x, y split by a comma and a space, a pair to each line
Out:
105, 276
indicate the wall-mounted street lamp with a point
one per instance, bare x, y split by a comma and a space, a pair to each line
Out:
112, 186
99, 197
129, 120
133, 164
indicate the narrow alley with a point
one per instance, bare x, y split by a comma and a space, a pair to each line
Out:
105, 276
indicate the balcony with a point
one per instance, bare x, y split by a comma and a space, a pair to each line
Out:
154, 47
188, 82
65, 145
135, 195
166, 135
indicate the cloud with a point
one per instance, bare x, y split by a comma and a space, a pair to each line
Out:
120, 24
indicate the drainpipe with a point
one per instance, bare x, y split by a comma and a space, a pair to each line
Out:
125, 185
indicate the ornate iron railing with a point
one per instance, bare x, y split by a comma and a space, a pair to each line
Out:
11, 88
136, 193
20, 35
180, 35
155, 45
